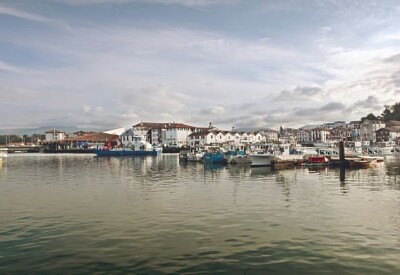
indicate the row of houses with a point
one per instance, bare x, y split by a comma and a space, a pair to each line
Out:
183, 135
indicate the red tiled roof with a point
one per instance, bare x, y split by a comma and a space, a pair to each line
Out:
178, 125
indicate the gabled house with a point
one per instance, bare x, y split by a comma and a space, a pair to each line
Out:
387, 134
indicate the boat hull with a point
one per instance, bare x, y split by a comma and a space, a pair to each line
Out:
262, 159
213, 158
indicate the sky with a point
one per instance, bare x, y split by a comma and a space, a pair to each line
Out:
103, 64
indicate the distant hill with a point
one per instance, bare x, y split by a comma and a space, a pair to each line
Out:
41, 130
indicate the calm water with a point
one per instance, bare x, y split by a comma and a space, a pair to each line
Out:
152, 215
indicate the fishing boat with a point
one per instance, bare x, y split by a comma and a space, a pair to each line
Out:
139, 147
362, 162
191, 156
317, 161
262, 159
213, 157
237, 157
195, 157
274, 153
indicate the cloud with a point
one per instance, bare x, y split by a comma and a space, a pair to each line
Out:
21, 14
325, 30
188, 3
310, 93
196, 72
5, 67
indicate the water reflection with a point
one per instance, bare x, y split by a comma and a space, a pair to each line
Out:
261, 171
143, 215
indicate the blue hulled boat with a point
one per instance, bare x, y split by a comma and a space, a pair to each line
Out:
214, 157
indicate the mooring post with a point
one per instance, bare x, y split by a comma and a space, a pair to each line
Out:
341, 152
342, 162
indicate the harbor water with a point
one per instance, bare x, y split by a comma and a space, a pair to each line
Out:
78, 214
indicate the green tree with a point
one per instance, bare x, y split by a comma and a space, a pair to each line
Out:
391, 112
370, 116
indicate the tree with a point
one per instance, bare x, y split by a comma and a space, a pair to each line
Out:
370, 116
391, 112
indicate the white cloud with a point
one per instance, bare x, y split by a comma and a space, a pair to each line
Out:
21, 14
325, 30
190, 3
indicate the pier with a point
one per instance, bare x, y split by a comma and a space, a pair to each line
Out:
21, 149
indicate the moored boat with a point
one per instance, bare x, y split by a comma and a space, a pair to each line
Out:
363, 162
262, 159
317, 161
213, 157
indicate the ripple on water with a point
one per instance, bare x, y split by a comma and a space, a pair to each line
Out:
64, 214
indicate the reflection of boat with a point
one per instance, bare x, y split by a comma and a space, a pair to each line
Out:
213, 166
258, 171
3, 153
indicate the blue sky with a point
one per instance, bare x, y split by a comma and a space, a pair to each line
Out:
110, 63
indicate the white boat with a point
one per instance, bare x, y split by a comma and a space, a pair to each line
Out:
277, 152
262, 159
195, 157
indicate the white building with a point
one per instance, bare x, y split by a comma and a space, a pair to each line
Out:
270, 135
177, 134
320, 134
303, 135
54, 135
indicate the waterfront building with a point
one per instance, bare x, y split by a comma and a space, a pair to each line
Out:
55, 135
303, 136
257, 137
202, 138
353, 132
368, 129
320, 134
177, 134
127, 138
154, 131
338, 134
393, 124
387, 134
270, 134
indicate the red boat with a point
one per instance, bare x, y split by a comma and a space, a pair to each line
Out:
317, 161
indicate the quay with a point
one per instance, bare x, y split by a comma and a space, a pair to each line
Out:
21, 149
